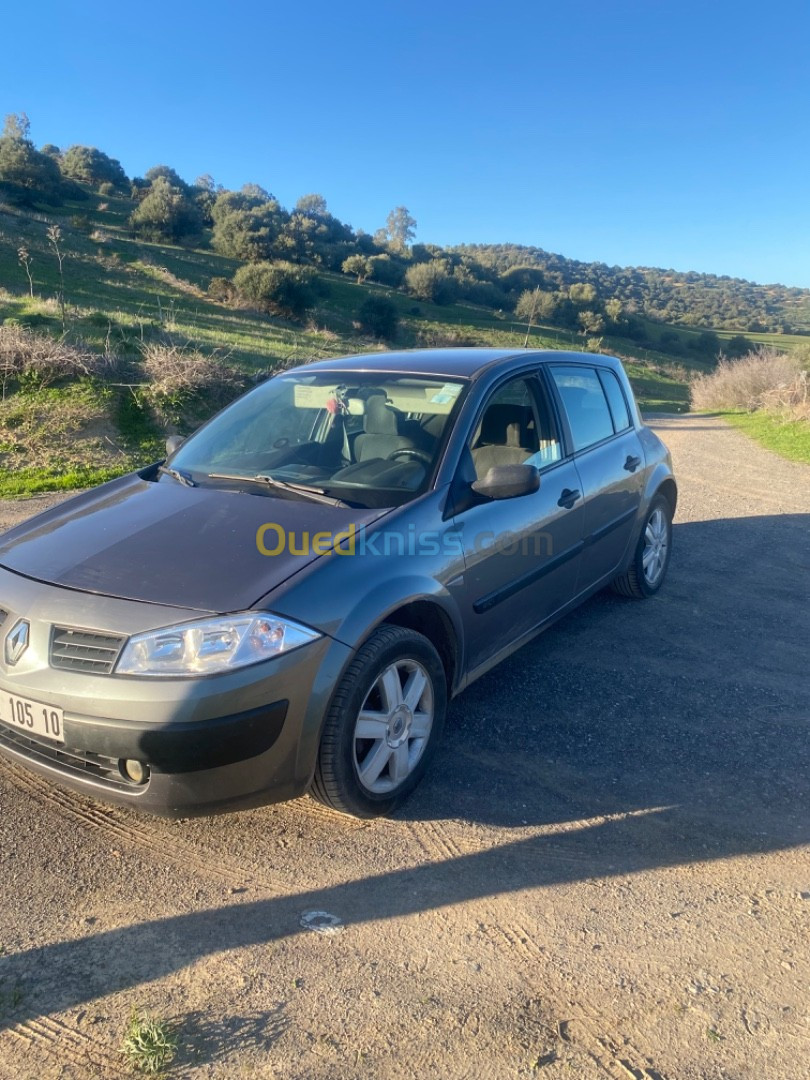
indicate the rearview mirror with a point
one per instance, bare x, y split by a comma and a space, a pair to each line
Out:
508, 482
172, 444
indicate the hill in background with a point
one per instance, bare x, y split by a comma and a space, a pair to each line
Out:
160, 280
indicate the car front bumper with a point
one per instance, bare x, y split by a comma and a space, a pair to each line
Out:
238, 739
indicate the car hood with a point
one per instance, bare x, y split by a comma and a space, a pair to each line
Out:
163, 543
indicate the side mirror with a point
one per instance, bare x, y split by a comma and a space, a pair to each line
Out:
508, 482
172, 444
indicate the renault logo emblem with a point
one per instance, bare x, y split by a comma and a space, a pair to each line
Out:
17, 642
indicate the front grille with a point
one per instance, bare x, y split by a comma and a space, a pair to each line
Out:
82, 763
85, 650
3, 615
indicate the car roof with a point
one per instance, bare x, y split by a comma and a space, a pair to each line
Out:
466, 363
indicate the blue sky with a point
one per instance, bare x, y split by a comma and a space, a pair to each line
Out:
633, 132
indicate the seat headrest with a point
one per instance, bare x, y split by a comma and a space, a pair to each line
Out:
380, 418
501, 426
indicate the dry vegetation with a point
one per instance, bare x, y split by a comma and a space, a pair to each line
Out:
40, 360
763, 380
179, 375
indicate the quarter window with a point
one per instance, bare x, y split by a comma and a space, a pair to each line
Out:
618, 405
585, 404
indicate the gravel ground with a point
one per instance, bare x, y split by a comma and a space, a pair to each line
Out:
606, 873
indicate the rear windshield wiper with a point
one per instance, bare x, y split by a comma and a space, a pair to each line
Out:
315, 494
180, 477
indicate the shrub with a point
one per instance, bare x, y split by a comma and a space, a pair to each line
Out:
166, 213
40, 359
379, 317
178, 378
93, 166
430, 281
220, 288
764, 379
386, 270
282, 288
106, 188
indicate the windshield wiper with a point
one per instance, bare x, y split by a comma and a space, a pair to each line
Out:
315, 494
180, 477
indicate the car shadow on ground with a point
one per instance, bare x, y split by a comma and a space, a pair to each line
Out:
660, 734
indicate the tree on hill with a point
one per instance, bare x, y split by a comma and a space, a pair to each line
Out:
26, 175
522, 279
165, 214
359, 265
387, 270
247, 223
430, 281
92, 166
582, 293
282, 288
313, 206
166, 173
400, 228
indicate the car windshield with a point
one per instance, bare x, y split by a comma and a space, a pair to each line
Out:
369, 439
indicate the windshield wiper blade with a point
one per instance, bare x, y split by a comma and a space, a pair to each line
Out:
315, 494
180, 477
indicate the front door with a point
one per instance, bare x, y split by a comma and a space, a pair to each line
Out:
522, 554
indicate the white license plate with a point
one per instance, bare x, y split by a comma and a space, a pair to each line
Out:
31, 717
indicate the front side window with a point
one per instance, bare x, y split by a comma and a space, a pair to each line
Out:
370, 439
585, 404
515, 428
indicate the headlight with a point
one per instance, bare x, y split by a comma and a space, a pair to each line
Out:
209, 646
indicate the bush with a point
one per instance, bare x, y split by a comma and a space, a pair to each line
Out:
282, 288
166, 214
39, 359
764, 379
430, 281
386, 270
93, 166
379, 317
180, 377
220, 288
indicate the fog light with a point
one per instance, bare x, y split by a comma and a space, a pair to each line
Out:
135, 771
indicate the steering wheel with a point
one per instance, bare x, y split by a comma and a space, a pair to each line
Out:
420, 455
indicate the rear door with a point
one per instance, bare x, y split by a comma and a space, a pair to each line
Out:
609, 459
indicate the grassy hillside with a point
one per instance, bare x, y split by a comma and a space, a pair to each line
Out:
121, 294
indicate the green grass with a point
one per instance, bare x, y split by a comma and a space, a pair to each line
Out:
150, 1043
34, 481
788, 438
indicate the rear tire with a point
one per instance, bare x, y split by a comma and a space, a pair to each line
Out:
383, 724
645, 575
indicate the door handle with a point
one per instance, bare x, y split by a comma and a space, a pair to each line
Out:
632, 463
568, 498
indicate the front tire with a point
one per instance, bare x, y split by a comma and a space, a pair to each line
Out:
383, 724
646, 573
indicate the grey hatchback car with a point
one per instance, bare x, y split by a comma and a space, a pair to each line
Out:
287, 603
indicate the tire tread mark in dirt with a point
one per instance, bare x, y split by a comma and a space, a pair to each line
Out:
67, 1045
229, 871
433, 840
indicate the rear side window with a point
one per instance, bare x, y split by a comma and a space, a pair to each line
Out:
618, 406
585, 404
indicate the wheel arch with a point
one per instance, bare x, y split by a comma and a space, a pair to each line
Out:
430, 619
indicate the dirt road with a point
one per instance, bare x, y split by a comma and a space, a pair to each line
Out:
607, 873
